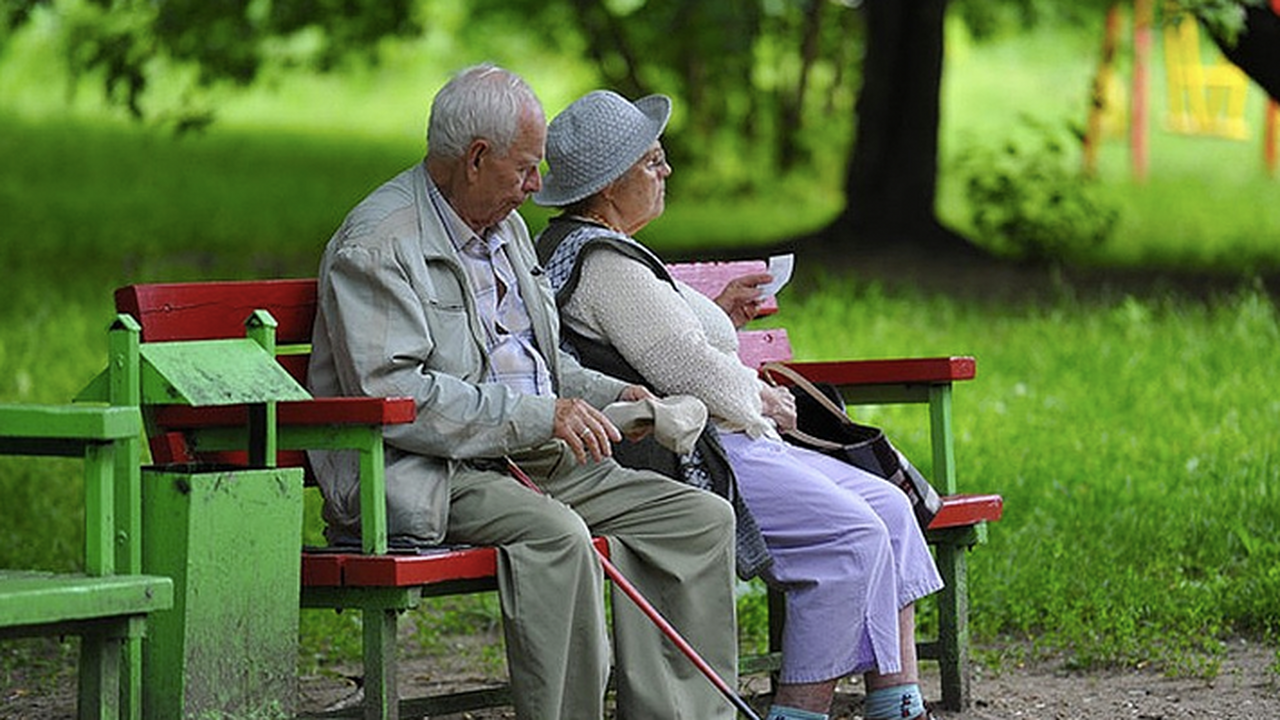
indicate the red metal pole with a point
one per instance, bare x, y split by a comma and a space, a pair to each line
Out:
621, 582
1269, 136
1142, 15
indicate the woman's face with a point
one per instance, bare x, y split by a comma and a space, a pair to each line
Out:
638, 194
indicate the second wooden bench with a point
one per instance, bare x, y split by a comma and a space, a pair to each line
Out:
382, 584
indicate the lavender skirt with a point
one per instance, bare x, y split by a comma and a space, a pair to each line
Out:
847, 550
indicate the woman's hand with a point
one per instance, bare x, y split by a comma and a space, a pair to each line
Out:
741, 298
779, 406
636, 392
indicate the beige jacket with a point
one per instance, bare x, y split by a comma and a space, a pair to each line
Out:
396, 318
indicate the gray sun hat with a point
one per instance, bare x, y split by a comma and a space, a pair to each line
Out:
592, 142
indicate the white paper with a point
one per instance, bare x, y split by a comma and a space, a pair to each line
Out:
780, 268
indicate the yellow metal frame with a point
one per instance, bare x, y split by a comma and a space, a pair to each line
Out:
1204, 98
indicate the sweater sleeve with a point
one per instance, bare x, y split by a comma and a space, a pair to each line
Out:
658, 332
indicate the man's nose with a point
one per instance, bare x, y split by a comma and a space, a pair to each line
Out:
533, 183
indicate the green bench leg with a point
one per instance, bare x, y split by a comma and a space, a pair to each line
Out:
131, 679
380, 609
381, 695
777, 619
125, 389
953, 600
99, 675
953, 627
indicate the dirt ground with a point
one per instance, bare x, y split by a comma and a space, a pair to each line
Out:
1246, 688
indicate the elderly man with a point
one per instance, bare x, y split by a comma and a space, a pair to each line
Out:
430, 289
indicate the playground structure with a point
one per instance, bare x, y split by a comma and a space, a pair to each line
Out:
1207, 95
1205, 98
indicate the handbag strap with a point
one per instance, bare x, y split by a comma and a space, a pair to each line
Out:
803, 383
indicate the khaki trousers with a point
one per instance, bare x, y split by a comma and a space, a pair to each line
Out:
673, 542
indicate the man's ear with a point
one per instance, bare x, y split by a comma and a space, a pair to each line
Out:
475, 151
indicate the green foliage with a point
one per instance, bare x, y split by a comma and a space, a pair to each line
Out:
133, 44
1224, 18
753, 617
988, 20
1029, 201
761, 88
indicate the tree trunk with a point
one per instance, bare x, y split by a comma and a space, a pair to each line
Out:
891, 181
792, 103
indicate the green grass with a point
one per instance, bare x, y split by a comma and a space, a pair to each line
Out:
1128, 440
1132, 438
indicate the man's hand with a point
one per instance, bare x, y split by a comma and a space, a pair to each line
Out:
741, 299
779, 406
585, 429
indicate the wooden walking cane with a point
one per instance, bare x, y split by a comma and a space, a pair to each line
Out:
652, 613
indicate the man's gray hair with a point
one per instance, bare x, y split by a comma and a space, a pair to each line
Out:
482, 101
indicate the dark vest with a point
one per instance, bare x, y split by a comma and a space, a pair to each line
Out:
707, 466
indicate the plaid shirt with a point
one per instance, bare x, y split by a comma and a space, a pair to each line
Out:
514, 359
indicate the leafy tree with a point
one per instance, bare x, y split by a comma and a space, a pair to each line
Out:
752, 78
760, 82
226, 40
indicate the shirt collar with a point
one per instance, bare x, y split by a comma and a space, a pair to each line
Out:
464, 239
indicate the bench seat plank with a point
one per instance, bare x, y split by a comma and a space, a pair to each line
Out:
29, 598
881, 372
966, 510
447, 564
319, 411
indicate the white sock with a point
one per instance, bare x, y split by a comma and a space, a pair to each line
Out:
782, 712
900, 701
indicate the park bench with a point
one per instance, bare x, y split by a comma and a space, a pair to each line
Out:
107, 604
381, 582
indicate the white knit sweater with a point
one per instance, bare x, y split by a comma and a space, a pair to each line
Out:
682, 343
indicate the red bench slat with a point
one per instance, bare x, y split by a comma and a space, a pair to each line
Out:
709, 278
321, 569
319, 411
212, 310
880, 372
965, 510
325, 569
757, 347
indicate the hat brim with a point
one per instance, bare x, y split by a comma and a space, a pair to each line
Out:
657, 109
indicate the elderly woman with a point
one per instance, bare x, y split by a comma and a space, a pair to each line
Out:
845, 545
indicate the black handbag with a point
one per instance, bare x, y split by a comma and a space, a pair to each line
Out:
823, 425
